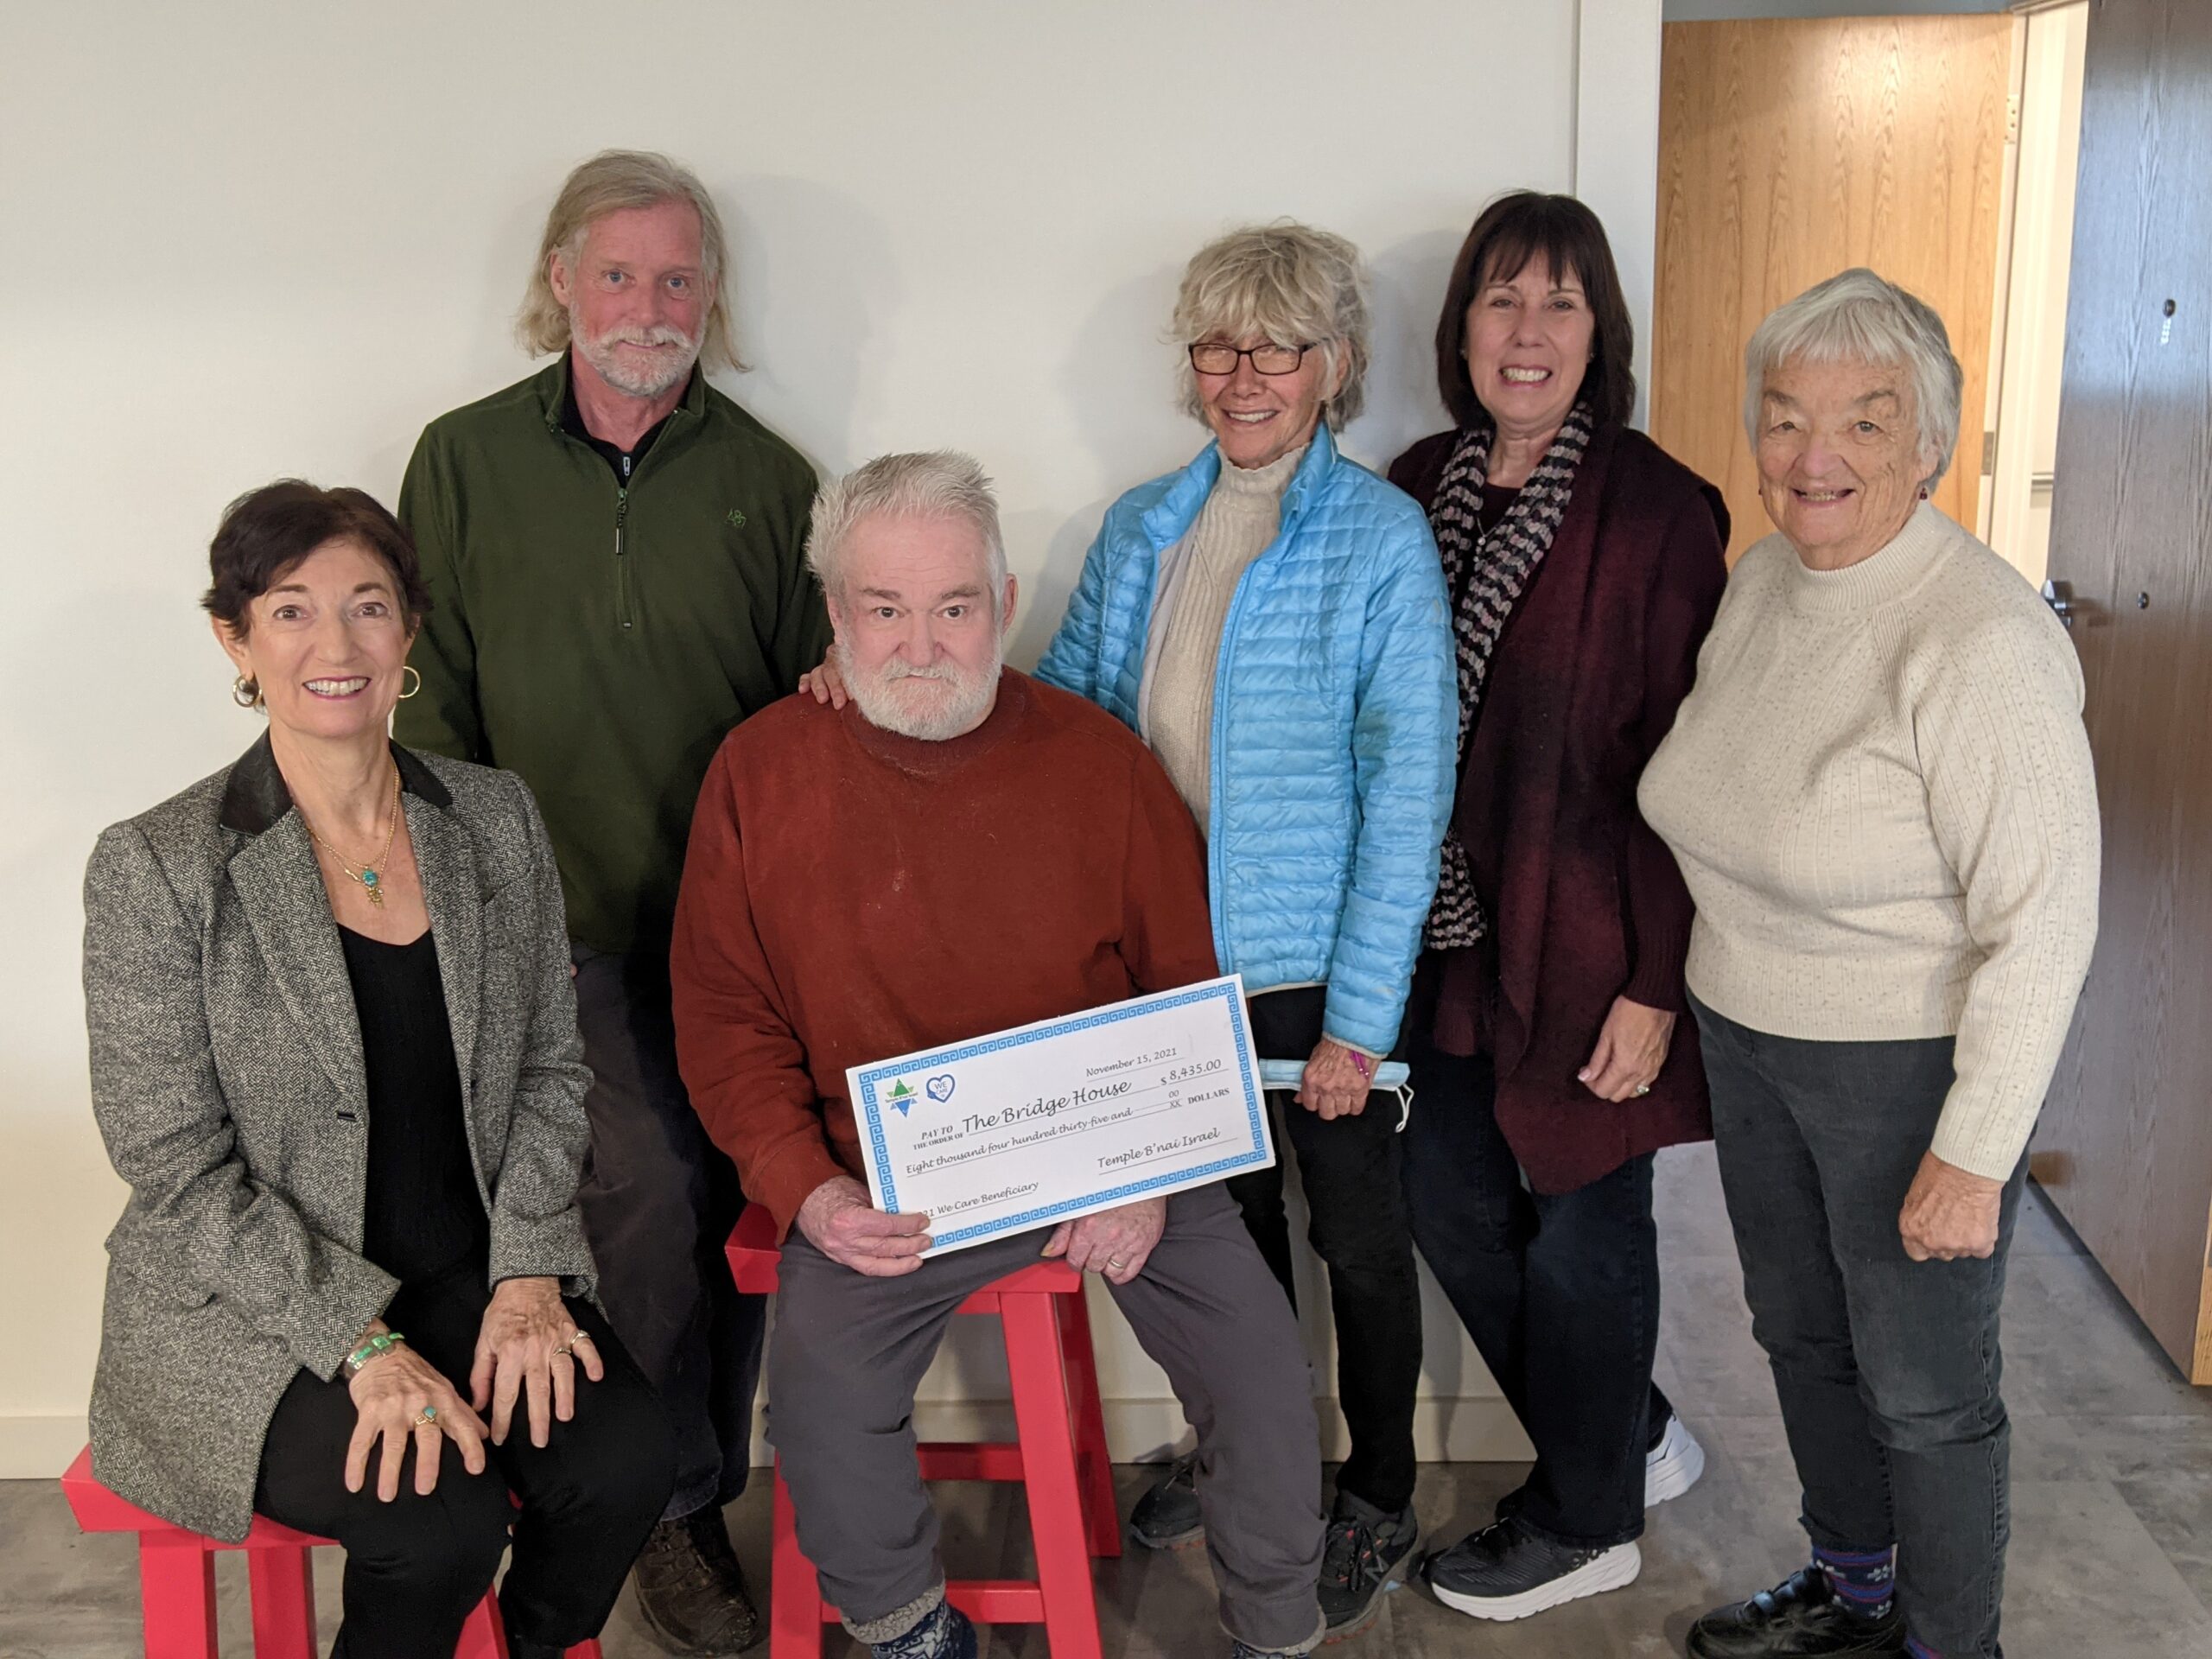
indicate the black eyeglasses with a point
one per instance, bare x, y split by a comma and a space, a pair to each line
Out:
1211, 357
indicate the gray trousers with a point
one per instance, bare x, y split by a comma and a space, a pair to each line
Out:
849, 1351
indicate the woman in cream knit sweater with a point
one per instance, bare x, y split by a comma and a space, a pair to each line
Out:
1880, 792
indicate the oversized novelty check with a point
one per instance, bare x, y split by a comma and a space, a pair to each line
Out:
1002, 1134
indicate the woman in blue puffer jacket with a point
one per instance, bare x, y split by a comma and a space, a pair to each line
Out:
1273, 620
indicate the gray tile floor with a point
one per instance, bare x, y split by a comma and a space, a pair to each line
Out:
2112, 1549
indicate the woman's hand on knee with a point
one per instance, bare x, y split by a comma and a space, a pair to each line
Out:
400, 1397
529, 1348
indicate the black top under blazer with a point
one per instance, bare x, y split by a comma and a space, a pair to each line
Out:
229, 1085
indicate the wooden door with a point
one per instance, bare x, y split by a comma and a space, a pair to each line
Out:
2125, 1148
1790, 149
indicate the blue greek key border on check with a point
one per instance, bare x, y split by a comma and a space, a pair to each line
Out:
872, 1111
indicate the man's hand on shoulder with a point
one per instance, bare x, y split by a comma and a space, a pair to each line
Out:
839, 1221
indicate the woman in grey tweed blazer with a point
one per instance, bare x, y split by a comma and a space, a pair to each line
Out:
335, 1053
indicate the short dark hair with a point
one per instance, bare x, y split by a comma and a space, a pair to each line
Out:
265, 532
1513, 230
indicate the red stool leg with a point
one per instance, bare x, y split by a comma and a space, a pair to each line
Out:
176, 1592
281, 1580
794, 1591
1056, 1511
587, 1650
485, 1635
1094, 1468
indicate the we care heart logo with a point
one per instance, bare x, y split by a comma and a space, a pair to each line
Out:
940, 1088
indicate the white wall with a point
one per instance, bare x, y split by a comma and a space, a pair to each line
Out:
257, 240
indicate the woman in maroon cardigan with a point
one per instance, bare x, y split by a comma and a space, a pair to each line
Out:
1550, 1062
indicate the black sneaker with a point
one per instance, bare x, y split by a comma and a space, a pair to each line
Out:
1366, 1551
945, 1634
1799, 1618
1506, 1572
692, 1592
1167, 1516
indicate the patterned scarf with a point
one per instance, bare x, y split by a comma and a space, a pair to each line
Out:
1496, 569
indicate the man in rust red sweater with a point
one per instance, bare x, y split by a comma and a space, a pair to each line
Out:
959, 850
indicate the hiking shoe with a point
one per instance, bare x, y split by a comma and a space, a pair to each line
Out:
692, 1592
1799, 1618
1366, 1554
1673, 1465
1167, 1516
1505, 1570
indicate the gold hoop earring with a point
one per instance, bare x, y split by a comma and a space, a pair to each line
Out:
405, 669
245, 693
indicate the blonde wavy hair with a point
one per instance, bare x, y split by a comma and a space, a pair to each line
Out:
609, 182
1290, 283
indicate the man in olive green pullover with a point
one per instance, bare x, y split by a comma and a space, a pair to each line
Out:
615, 555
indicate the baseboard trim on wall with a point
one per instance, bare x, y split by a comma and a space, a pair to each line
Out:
1481, 1430
39, 1448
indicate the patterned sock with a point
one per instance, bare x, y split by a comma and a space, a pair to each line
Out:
1864, 1580
1916, 1649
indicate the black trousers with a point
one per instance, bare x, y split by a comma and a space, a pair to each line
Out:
1560, 1293
415, 1566
1888, 1370
1350, 1170
659, 1199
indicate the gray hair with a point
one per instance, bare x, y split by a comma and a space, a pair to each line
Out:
1293, 284
1857, 317
923, 483
609, 182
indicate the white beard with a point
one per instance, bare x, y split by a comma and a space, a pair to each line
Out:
670, 368
886, 697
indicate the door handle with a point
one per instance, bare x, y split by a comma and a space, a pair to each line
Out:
2059, 595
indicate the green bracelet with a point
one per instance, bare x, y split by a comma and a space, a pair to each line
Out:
383, 1342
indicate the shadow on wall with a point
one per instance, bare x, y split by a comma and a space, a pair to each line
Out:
811, 364
1044, 597
1409, 278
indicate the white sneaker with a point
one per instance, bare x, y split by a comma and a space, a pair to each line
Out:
1673, 1466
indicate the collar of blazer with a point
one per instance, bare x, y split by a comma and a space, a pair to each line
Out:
256, 795
273, 871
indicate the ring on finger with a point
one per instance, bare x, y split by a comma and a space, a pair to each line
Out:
426, 1418
1115, 1261
1642, 1089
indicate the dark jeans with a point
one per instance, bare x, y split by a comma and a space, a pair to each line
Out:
1559, 1292
1887, 1369
658, 1200
1348, 1169
415, 1566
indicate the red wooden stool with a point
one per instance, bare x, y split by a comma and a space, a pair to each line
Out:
176, 1582
1060, 1459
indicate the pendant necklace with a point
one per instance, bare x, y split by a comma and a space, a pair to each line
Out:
371, 882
